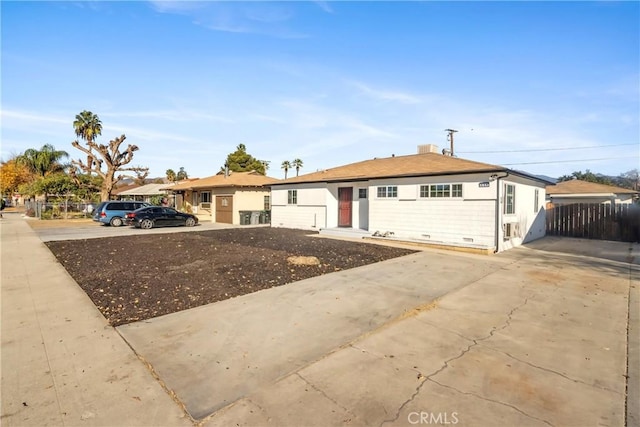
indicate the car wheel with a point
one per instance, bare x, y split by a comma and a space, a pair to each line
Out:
116, 221
190, 222
146, 224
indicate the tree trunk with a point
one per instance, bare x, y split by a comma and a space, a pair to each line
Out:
107, 187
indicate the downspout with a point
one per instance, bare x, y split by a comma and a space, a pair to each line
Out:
498, 212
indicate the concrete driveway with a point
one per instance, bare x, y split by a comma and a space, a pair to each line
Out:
533, 336
528, 337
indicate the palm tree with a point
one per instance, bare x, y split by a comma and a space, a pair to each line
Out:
171, 175
286, 165
297, 163
43, 162
87, 126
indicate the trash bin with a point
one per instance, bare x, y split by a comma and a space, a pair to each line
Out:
255, 218
245, 217
265, 217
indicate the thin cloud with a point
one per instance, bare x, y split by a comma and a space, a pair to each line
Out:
235, 17
31, 118
324, 5
385, 95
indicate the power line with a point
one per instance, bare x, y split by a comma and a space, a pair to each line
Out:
545, 149
565, 161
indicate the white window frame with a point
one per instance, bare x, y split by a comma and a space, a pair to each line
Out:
454, 190
440, 191
509, 199
387, 192
292, 197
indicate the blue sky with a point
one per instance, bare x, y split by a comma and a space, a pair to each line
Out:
328, 82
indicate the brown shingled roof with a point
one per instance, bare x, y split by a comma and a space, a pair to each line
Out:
235, 179
398, 166
576, 186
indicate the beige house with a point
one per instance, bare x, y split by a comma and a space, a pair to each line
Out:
236, 198
577, 191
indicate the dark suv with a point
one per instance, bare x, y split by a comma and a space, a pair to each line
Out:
114, 212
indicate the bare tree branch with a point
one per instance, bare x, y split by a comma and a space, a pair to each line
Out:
112, 158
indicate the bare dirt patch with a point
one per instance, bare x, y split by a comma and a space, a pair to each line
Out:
133, 278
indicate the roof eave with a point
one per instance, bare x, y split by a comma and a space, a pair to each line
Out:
406, 175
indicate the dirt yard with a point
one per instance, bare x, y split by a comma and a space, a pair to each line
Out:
133, 278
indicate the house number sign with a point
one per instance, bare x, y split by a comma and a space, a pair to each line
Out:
483, 184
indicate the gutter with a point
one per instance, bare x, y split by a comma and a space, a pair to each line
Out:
498, 213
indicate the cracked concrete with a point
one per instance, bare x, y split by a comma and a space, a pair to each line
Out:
539, 342
531, 337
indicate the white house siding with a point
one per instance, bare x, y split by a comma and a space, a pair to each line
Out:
470, 220
434, 220
530, 219
310, 213
361, 208
466, 220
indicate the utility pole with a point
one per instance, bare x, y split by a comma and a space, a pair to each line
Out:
450, 138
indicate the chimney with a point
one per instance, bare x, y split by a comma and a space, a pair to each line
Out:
427, 148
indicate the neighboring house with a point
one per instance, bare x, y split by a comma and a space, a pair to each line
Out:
122, 187
577, 191
424, 197
145, 193
222, 198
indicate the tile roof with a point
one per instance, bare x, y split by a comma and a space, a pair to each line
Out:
235, 179
576, 186
398, 166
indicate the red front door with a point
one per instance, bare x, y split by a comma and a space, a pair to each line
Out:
345, 197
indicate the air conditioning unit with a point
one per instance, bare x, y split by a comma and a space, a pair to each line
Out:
511, 229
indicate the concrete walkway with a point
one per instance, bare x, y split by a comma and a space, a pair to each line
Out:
533, 336
62, 364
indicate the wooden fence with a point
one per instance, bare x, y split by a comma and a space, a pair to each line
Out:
619, 222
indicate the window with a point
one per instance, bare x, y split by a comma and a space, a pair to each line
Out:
440, 190
456, 190
388, 191
362, 193
292, 197
509, 199
536, 200
267, 203
205, 197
